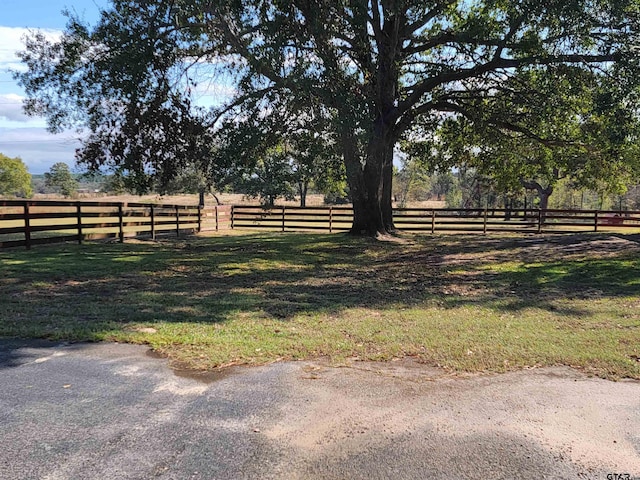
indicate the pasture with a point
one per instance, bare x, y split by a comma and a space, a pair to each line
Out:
466, 304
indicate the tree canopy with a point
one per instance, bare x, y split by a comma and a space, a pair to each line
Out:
581, 129
373, 71
15, 179
60, 178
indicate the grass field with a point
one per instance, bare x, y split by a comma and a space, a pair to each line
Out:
313, 200
466, 304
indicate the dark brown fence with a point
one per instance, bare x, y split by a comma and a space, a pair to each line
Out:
331, 219
432, 220
32, 222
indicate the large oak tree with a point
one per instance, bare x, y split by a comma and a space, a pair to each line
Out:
378, 70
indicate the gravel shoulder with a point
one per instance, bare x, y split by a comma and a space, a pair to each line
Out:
115, 411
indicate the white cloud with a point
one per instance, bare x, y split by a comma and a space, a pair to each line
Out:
11, 108
11, 94
11, 42
38, 148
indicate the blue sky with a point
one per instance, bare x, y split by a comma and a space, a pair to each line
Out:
45, 13
22, 136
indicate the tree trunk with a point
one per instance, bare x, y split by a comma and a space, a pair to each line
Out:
543, 192
387, 192
508, 204
371, 181
302, 191
371, 190
365, 184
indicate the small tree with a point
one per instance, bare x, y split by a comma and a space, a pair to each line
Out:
315, 162
14, 177
115, 184
272, 177
411, 182
60, 178
443, 182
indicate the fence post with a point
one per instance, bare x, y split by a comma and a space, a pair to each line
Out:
153, 222
121, 222
232, 210
79, 216
539, 220
177, 222
433, 222
330, 219
199, 218
484, 227
216, 212
283, 217
27, 226
595, 223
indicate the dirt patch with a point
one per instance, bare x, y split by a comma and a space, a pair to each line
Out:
590, 424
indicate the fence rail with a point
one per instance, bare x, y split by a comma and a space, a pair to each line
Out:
432, 220
34, 222
332, 219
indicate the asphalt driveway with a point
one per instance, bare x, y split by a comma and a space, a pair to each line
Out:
112, 411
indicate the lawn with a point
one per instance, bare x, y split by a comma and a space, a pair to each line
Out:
464, 303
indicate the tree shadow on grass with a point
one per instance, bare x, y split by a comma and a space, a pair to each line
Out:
76, 291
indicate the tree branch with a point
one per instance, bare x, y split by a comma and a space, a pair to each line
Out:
429, 15
495, 64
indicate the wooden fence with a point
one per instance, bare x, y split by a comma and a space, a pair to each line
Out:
32, 222
433, 220
331, 219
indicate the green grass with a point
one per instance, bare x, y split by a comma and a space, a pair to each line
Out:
465, 303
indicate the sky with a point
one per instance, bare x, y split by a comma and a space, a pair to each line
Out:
22, 136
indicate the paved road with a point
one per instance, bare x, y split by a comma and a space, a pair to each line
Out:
111, 411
